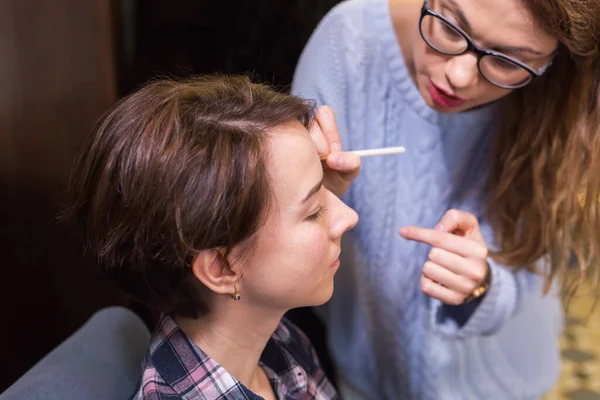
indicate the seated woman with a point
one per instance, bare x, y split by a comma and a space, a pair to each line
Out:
204, 198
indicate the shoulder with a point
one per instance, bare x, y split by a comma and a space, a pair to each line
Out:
352, 24
151, 385
140, 395
348, 35
164, 364
344, 55
350, 14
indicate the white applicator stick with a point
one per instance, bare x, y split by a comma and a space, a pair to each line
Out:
376, 152
380, 152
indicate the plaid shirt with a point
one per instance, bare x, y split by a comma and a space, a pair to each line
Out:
176, 368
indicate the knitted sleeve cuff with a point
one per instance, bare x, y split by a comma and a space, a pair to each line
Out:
483, 316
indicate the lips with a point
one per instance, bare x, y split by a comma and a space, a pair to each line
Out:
442, 98
335, 264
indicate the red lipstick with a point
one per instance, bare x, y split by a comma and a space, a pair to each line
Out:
443, 99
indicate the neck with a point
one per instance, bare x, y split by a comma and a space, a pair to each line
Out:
234, 335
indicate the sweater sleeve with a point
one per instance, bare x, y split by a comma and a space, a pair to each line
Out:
480, 317
510, 291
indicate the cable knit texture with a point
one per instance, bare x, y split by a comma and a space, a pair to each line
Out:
386, 337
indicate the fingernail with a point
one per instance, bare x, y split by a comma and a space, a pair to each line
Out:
439, 227
336, 146
403, 231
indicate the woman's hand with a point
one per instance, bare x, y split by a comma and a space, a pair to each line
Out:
457, 263
340, 168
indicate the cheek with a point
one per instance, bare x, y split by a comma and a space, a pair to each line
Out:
317, 242
426, 60
306, 249
492, 92
487, 93
419, 56
285, 257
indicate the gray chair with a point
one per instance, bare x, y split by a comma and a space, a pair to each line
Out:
100, 361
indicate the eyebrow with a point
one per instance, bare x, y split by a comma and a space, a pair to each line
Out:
313, 191
516, 49
464, 22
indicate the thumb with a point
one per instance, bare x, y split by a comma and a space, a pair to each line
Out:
462, 223
344, 162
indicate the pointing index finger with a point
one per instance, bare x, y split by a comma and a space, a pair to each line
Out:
447, 241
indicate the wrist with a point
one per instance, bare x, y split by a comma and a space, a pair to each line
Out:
482, 289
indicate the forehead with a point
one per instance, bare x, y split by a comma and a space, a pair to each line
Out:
506, 22
293, 162
508, 13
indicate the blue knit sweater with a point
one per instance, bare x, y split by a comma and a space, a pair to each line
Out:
386, 337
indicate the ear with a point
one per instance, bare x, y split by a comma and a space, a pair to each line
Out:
212, 269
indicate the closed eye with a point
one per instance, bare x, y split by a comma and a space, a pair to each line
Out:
317, 215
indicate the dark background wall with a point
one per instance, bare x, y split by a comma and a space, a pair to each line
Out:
56, 76
62, 63
260, 36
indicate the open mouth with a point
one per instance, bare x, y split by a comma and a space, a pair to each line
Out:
443, 98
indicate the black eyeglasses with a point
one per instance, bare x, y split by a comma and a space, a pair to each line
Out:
500, 70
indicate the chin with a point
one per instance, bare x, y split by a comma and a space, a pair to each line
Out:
324, 296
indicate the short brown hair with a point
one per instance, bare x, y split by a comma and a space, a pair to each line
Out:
175, 168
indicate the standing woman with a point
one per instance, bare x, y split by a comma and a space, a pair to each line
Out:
449, 289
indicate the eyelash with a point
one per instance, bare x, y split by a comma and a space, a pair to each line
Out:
317, 215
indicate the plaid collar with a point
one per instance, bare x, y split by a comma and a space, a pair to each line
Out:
176, 368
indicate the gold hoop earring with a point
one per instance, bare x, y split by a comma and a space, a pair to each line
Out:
235, 296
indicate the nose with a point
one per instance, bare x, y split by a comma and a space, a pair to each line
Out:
461, 71
343, 218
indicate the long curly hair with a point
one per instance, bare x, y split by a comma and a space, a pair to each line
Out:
545, 181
